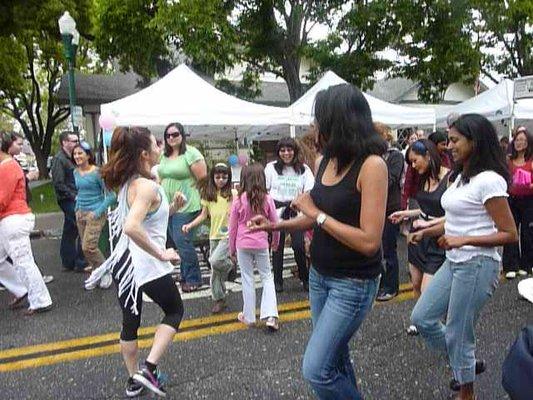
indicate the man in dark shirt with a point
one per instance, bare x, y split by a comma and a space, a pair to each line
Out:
65, 188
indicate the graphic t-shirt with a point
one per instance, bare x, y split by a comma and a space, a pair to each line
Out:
219, 214
289, 184
176, 175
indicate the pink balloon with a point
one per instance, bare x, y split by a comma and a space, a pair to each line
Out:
243, 159
107, 121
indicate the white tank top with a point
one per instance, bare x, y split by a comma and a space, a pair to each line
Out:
147, 268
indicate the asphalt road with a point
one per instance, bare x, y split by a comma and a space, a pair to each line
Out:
214, 358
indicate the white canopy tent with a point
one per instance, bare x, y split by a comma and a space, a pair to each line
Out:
183, 96
394, 115
495, 104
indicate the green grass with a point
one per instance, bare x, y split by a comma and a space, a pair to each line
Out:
48, 196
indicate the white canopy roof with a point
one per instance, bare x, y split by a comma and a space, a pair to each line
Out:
391, 114
183, 96
495, 104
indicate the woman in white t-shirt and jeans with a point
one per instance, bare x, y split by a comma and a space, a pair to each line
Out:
286, 178
477, 220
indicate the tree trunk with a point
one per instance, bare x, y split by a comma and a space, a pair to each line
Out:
291, 73
41, 160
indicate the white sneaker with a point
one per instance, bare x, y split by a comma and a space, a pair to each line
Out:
522, 272
510, 275
106, 281
48, 278
272, 324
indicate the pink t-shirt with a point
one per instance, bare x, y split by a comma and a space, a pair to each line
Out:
240, 237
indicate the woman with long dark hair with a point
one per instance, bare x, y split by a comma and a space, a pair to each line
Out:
140, 262
519, 258
425, 257
347, 209
477, 220
92, 203
286, 178
181, 167
20, 276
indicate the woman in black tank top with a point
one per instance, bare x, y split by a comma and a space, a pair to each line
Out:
347, 209
425, 256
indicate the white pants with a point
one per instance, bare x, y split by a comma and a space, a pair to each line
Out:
23, 276
269, 305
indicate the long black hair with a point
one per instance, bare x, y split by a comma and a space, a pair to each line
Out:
345, 128
529, 151
486, 151
183, 145
425, 147
296, 161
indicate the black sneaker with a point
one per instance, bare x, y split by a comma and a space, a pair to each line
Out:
152, 382
481, 366
133, 389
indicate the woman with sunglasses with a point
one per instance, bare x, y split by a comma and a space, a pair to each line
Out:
477, 220
181, 167
92, 202
425, 257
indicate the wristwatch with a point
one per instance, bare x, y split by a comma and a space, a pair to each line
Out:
321, 218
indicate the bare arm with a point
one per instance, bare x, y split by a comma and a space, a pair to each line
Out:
197, 221
143, 196
199, 170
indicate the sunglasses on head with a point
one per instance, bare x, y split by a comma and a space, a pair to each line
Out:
172, 135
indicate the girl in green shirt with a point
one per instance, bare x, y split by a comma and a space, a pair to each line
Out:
180, 168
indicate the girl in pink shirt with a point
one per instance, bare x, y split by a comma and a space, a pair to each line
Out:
250, 247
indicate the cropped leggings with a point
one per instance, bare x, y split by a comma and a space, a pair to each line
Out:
165, 294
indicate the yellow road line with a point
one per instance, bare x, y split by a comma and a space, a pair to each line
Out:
89, 340
39, 361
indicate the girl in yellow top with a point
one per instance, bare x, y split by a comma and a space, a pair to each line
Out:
216, 203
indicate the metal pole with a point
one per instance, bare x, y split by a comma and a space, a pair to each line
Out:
71, 57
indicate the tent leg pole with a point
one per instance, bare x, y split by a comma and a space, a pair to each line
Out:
292, 131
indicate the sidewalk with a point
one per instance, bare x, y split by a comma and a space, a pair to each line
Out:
49, 224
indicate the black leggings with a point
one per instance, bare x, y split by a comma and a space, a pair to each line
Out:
165, 294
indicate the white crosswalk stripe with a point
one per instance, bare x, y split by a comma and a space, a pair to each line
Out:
205, 290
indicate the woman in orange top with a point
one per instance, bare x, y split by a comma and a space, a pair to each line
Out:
16, 223
519, 259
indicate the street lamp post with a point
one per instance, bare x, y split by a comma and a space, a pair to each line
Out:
71, 39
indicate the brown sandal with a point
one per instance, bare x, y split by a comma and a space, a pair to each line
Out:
30, 311
17, 302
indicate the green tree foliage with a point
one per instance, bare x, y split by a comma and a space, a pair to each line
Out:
32, 65
436, 45
266, 35
505, 33
353, 49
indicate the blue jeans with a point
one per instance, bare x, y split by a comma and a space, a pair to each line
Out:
338, 308
190, 268
70, 248
461, 290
